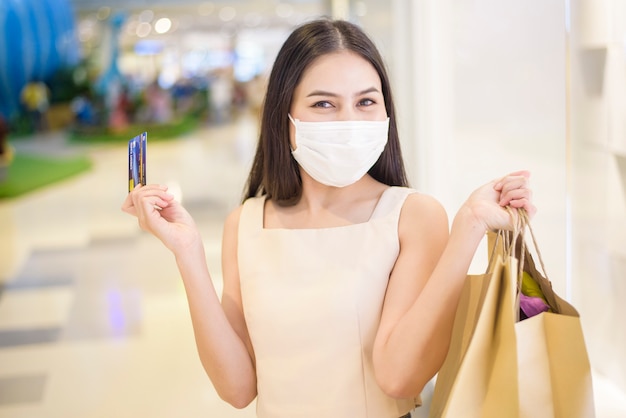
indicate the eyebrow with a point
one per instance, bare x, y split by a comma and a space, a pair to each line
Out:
328, 93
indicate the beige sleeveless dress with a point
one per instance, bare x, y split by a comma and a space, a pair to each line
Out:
312, 302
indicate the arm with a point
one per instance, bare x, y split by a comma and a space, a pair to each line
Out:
426, 282
219, 331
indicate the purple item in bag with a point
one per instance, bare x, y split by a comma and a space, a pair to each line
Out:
531, 306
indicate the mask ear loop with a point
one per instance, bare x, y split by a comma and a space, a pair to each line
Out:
293, 121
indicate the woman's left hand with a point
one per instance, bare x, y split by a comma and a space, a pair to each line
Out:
488, 203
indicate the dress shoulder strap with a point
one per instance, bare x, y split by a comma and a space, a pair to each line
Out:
391, 201
251, 217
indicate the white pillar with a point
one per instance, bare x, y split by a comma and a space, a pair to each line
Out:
422, 71
340, 9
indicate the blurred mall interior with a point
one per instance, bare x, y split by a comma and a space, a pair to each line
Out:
93, 316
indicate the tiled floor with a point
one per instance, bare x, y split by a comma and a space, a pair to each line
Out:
93, 316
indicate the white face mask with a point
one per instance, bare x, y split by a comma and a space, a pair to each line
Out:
339, 153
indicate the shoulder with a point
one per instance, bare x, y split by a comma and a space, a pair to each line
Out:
249, 205
424, 213
231, 229
416, 201
231, 223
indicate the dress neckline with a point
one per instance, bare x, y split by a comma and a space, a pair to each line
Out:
373, 216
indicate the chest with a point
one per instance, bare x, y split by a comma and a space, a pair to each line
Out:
329, 282
302, 217
304, 270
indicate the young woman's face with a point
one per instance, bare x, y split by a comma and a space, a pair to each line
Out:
338, 87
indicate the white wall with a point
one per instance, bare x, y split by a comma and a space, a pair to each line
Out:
484, 87
480, 90
598, 173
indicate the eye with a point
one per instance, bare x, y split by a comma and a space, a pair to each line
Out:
366, 102
323, 104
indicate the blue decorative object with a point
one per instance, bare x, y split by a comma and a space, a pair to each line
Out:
37, 37
111, 73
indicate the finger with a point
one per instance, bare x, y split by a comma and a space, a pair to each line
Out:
515, 194
145, 187
151, 192
531, 210
522, 176
523, 173
526, 205
150, 212
512, 183
128, 205
151, 202
160, 203
519, 201
142, 202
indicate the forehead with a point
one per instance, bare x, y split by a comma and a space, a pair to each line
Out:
337, 72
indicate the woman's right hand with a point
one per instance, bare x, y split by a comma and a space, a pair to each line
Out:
160, 214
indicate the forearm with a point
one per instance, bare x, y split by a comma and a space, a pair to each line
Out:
417, 345
223, 354
222, 350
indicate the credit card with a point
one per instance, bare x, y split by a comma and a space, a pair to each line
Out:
137, 160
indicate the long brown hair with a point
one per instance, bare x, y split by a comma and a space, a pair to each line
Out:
274, 171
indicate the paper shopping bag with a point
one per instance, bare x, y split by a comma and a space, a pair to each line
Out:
498, 367
479, 375
553, 364
553, 368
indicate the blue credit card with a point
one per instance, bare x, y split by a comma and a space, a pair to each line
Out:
137, 161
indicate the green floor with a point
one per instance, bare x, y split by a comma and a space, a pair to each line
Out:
30, 172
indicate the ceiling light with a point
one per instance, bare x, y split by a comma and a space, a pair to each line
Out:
162, 25
143, 29
227, 13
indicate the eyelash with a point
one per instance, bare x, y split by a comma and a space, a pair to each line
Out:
323, 103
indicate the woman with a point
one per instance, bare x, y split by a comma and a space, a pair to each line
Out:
340, 282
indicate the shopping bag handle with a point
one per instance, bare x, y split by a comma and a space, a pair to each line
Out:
526, 220
558, 304
505, 242
511, 239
